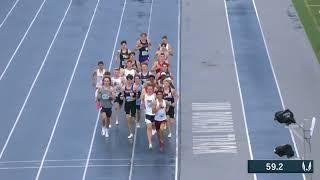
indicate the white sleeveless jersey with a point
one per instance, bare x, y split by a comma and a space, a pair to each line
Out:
117, 84
161, 113
148, 101
99, 77
127, 72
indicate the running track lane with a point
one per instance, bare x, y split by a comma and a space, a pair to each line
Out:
115, 159
21, 39
6, 9
117, 149
15, 87
38, 118
258, 86
73, 134
162, 164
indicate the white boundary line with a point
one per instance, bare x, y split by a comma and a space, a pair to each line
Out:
91, 166
67, 91
34, 82
5, 19
21, 41
110, 65
239, 86
276, 80
136, 129
178, 88
59, 160
150, 17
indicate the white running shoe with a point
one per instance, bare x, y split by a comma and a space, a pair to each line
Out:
107, 133
138, 125
117, 122
130, 136
150, 146
154, 132
169, 135
103, 131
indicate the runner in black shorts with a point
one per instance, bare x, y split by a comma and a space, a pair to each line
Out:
105, 97
137, 88
118, 83
130, 103
171, 96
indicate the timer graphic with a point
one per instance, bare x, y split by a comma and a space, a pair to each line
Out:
280, 166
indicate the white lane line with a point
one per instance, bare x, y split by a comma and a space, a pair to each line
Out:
136, 129
21, 41
5, 19
91, 166
239, 87
67, 91
33, 83
177, 168
60, 160
150, 17
117, 36
110, 65
276, 80
132, 154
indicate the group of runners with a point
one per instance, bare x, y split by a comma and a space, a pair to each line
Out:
139, 88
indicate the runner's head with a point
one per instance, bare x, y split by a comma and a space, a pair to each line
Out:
107, 74
159, 94
165, 39
117, 72
162, 57
123, 45
164, 67
163, 75
150, 89
129, 64
101, 65
152, 77
129, 79
106, 81
144, 67
132, 55
167, 82
137, 79
143, 36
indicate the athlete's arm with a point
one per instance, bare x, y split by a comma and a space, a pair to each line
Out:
170, 50
118, 57
176, 97
154, 66
149, 44
154, 107
139, 66
138, 45
94, 78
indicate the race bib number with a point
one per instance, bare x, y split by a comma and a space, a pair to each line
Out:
105, 96
145, 53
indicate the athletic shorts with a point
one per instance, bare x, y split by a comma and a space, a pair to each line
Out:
118, 100
144, 59
158, 124
108, 111
130, 108
170, 112
149, 119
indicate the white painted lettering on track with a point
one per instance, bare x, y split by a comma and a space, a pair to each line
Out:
213, 129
